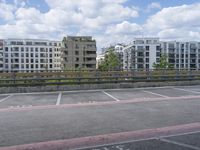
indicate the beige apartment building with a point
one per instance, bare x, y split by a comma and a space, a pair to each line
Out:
78, 52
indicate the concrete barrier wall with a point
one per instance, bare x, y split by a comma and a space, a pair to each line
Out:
4, 90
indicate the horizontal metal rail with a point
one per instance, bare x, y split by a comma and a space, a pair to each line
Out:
94, 77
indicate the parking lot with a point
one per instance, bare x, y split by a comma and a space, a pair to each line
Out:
46, 118
93, 96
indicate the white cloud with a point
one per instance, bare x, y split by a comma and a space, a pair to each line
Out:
29, 14
175, 17
103, 19
125, 28
6, 11
181, 23
20, 3
153, 5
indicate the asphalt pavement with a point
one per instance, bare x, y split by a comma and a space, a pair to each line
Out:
120, 119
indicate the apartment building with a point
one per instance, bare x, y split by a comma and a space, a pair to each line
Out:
1, 55
141, 54
78, 52
182, 55
28, 55
119, 51
57, 55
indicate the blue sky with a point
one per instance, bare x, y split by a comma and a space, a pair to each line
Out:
108, 21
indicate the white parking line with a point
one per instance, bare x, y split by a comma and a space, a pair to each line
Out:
179, 134
59, 99
111, 96
191, 91
97, 90
164, 96
139, 140
180, 144
4, 99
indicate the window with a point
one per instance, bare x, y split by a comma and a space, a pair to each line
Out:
76, 65
157, 54
77, 47
140, 47
140, 54
157, 48
6, 49
76, 52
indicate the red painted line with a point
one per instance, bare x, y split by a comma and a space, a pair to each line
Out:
139, 100
108, 138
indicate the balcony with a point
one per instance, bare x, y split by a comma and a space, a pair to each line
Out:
90, 61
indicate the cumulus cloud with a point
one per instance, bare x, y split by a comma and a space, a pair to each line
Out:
153, 5
109, 21
6, 11
175, 23
124, 28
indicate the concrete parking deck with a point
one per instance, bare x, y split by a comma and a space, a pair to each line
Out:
144, 118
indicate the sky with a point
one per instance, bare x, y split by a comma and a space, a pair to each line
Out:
108, 21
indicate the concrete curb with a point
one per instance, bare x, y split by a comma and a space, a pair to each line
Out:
4, 90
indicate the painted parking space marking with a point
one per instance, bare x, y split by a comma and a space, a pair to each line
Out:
21, 106
4, 99
59, 98
116, 99
160, 95
186, 90
180, 144
41, 107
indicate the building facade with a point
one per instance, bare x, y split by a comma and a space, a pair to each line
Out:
1, 55
28, 55
141, 54
144, 52
182, 55
79, 52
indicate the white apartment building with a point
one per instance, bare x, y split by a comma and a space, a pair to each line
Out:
141, 54
182, 55
57, 55
28, 55
119, 51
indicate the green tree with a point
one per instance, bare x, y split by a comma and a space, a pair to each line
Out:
163, 64
110, 63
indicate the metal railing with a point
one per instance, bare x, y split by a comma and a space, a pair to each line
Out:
56, 78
